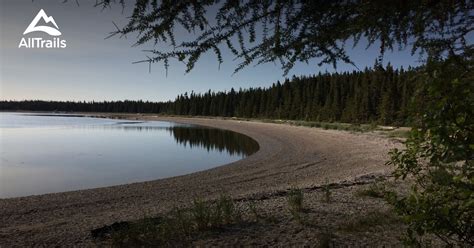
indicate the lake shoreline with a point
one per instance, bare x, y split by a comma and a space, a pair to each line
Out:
53, 153
289, 156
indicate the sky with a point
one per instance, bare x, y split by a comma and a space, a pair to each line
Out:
94, 68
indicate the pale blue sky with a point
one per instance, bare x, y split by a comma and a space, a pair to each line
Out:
92, 68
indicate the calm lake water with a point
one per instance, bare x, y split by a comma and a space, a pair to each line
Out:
52, 153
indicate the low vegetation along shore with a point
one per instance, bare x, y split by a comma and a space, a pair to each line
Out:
305, 186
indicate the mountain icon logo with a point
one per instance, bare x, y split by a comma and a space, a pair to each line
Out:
47, 29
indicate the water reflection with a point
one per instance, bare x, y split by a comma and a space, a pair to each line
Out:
215, 139
193, 136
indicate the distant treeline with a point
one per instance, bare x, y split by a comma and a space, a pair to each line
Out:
379, 95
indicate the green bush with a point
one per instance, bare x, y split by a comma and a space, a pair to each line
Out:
439, 156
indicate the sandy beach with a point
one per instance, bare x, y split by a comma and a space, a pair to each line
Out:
289, 156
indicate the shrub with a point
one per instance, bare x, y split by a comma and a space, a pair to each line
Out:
439, 155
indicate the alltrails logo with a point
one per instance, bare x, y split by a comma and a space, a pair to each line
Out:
38, 42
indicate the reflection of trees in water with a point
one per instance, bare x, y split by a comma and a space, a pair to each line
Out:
187, 135
215, 139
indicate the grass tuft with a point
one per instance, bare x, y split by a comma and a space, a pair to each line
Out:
375, 190
201, 214
295, 200
327, 192
176, 228
295, 203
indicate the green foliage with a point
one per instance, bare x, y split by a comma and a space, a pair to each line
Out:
201, 213
178, 226
225, 211
295, 202
206, 215
270, 31
439, 155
